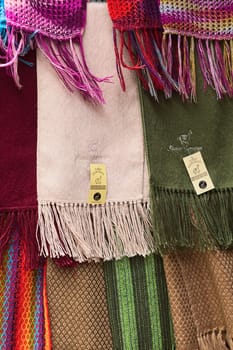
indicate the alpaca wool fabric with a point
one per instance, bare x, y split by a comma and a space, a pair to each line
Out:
200, 291
22, 324
18, 142
78, 307
173, 130
56, 28
71, 136
205, 28
138, 304
137, 30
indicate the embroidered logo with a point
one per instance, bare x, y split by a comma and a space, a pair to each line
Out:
184, 147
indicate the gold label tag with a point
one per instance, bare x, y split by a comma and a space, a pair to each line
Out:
98, 184
198, 173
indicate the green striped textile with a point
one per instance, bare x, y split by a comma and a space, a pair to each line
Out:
138, 304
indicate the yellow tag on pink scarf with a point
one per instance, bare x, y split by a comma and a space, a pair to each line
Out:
98, 184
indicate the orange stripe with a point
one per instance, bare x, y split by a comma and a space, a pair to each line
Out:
48, 340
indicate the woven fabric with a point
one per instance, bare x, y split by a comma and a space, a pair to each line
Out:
18, 142
191, 128
210, 23
138, 304
72, 135
198, 18
56, 28
22, 323
200, 287
137, 35
131, 14
78, 307
55, 19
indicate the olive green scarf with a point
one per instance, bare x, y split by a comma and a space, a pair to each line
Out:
174, 129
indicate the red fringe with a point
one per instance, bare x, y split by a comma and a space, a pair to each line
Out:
25, 222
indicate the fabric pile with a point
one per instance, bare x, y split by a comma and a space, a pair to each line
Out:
116, 228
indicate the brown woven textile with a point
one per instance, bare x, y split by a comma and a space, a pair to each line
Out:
200, 287
78, 308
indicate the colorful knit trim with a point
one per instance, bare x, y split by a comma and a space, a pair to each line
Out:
22, 323
56, 28
199, 27
137, 29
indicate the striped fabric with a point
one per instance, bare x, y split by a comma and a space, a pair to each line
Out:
138, 304
21, 302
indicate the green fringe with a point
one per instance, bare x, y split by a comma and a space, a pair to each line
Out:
184, 220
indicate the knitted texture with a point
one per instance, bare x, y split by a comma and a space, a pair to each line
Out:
55, 19
78, 307
209, 22
22, 324
56, 27
137, 30
138, 304
200, 287
130, 14
199, 18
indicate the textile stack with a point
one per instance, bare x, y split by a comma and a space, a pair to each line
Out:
116, 201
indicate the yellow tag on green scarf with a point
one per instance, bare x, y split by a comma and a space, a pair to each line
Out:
198, 173
98, 184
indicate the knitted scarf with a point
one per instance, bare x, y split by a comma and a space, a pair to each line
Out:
137, 29
56, 27
203, 27
174, 130
23, 322
72, 135
18, 124
78, 307
200, 287
138, 304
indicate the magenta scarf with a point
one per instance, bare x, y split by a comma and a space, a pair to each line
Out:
18, 124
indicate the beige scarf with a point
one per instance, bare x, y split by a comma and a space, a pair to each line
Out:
72, 135
200, 287
78, 307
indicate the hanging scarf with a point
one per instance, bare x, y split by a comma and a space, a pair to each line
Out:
57, 28
72, 135
22, 311
138, 304
174, 130
200, 287
203, 27
137, 29
18, 124
78, 307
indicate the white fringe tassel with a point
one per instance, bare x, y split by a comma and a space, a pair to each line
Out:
91, 232
216, 339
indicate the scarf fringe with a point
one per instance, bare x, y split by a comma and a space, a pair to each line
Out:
67, 58
185, 220
14, 44
145, 57
214, 340
215, 59
26, 222
88, 232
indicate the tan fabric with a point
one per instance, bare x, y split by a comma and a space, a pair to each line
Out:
200, 287
78, 307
